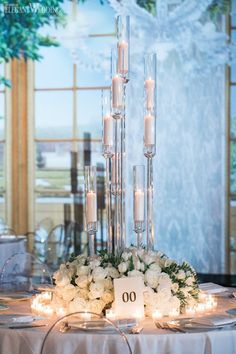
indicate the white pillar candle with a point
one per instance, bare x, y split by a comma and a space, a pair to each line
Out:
91, 207
117, 88
108, 130
149, 126
149, 85
138, 205
123, 57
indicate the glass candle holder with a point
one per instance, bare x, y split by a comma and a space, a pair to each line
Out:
150, 105
123, 46
117, 87
108, 125
139, 201
91, 205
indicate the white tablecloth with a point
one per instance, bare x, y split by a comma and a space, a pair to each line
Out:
150, 341
10, 246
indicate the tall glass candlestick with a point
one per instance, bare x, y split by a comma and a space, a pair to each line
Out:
149, 139
123, 45
108, 153
139, 202
91, 206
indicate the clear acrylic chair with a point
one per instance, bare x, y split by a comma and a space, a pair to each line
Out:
23, 272
82, 334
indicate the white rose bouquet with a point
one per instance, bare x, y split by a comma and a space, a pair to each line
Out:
86, 283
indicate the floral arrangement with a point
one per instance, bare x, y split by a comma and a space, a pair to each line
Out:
86, 283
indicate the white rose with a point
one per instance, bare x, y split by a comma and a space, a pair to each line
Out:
68, 292
126, 256
175, 287
148, 295
82, 281
142, 266
108, 283
82, 270
113, 272
168, 262
155, 267
164, 282
122, 267
83, 293
151, 278
137, 264
107, 297
96, 290
181, 274
62, 276
140, 252
96, 306
189, 281
147, 259
186, 290
99, 273
94, 262
78, 304
81, 259
135, 273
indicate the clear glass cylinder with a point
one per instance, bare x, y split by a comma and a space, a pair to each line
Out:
91, 199
108, 125
117, 87
123, 45
149, 105
139, 201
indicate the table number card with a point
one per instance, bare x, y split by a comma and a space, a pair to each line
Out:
129, 297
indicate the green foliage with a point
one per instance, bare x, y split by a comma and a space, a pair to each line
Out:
218, 7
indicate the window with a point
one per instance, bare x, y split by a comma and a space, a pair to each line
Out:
67, 124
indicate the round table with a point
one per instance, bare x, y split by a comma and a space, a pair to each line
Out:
151, 340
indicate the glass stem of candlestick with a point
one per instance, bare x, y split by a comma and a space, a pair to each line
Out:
123, 176
150, 226
110, 242
139, 202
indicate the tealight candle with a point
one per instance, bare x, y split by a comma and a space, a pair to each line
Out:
86, 316
156, 315
110, 314
190, 311
174, 313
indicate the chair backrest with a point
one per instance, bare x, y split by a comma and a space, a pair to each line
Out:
24, 272
88, 323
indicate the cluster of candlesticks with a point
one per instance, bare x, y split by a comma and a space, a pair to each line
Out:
114, 136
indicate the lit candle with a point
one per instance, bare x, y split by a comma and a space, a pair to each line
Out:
86, 316
138, 205
117, 88
91, 210
149, 85
123, 57
174, 313
110, 313
149, 127
108, 130
156, 315
190, 311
